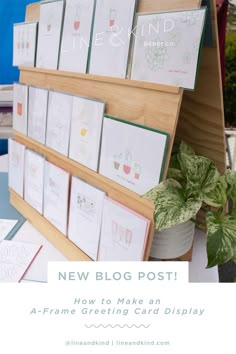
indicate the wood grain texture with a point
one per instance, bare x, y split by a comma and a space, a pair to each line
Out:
65, 246
113, 190
201, 122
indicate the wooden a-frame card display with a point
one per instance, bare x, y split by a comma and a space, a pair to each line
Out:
193, 116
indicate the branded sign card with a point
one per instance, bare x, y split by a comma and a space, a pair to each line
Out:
15, 260
76, 35
49, 34
34, 178
86, 208
58, 121
20, 108
37, 117
85, 135
132, 155
56, 195
111, 37
16, 153
123, 235
167, 47
24, 43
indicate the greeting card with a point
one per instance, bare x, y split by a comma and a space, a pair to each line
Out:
132, 155
76, 35
15, 260
111, 37
85, 135
167, 47
34, 178
56, 195
123, 235
37, 117
86, 207
49, 34
20, 108
58, 121
16, 153
24, 43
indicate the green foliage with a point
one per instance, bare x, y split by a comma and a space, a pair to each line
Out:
230, 84
195, 181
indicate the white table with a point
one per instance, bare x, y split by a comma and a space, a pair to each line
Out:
38, 270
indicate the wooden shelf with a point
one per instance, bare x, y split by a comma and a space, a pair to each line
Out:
59, 240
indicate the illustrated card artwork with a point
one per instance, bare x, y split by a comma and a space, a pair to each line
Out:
34, 179
76, 35
24, 44
124, 233
56, 195
86, 208
167, 47
58, 121
111, 37
20, 108
16, 153
38, 101
132, 155
49, 35
86, 127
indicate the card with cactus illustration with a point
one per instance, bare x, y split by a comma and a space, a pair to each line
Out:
127, 154
167, 47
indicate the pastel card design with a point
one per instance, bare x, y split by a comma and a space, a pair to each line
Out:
56, 195
58, 121
85, 135
126, 158
20, 108
49, 35
111, 37
24, 44
16, 153
86, 208
76, 35
34, 179
15, 259
124, 233
38, 101
167, 46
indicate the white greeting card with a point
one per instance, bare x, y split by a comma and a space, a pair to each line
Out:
49, 34
58, 121
34, 179
85, 135
6, 225
20, 108
123, 235
15, 260
111, 37
56, 194
76, 35
167, 46
86, 207
37, 114
132, 155
16, 161
24, 43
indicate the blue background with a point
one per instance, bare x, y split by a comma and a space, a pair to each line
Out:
11, 11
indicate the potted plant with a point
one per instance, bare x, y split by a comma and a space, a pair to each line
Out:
194, 183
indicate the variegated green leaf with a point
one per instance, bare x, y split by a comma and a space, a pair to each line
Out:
186, 149
221, 239
174, 173
201, 174
230, 177
171, 207
218, 196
